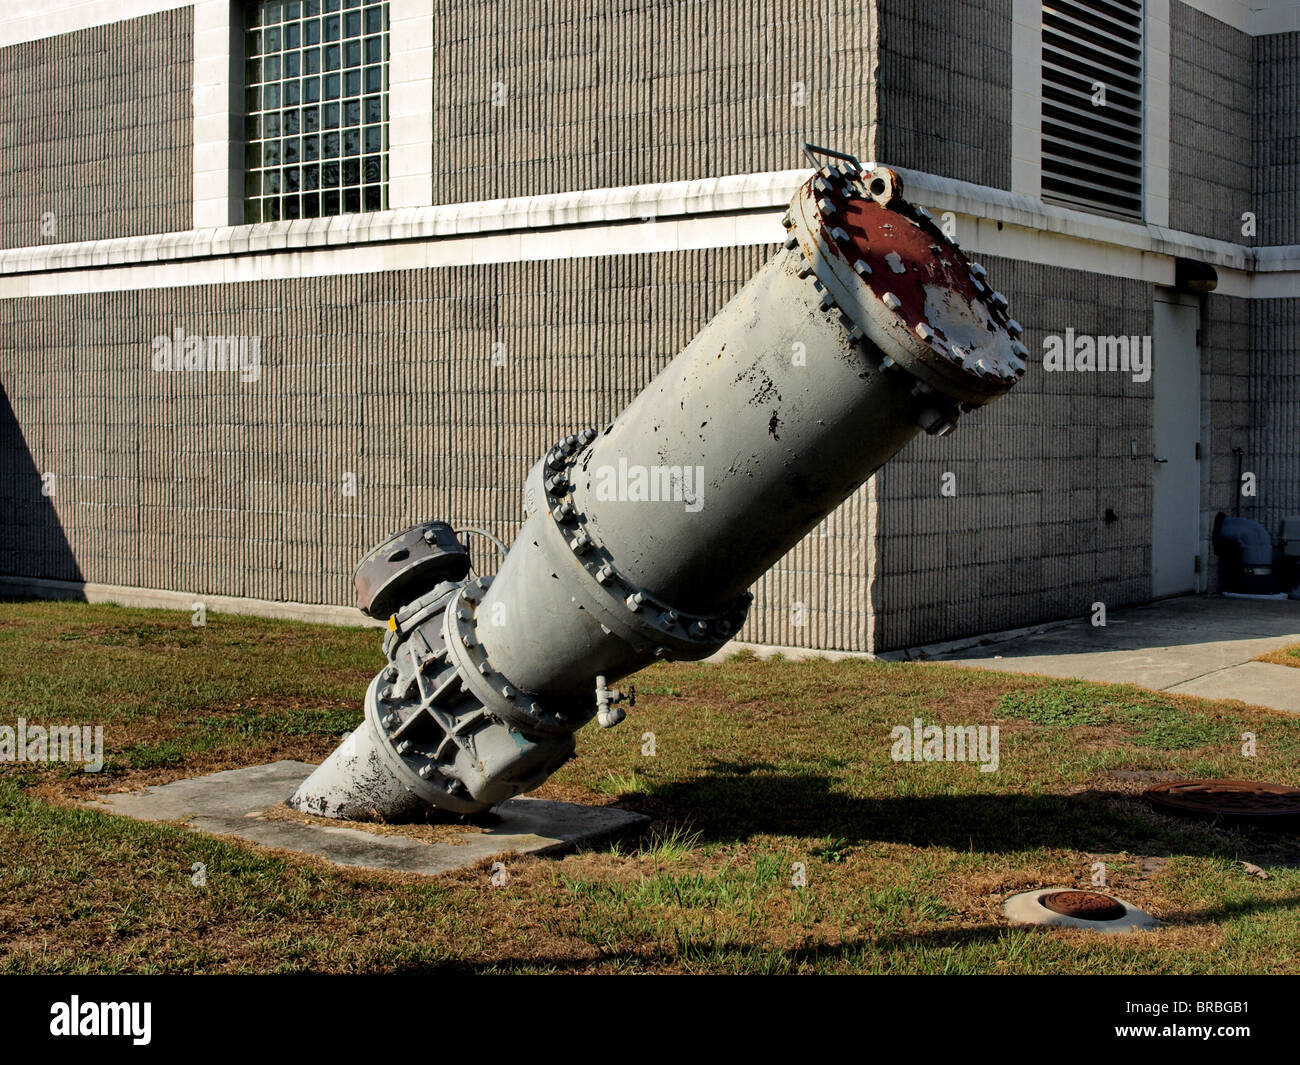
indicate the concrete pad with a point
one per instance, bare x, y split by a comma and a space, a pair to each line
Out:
1173, 645
1264, 683
234, 803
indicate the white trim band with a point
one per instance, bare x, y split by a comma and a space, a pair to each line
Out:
731, 211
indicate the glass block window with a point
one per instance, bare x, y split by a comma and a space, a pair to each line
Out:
316, 106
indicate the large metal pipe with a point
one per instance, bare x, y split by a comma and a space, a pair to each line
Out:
868, 327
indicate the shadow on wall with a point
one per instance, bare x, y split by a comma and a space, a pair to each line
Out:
32, 539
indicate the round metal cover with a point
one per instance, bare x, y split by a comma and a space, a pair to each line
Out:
1068, 907
407, 565
1084, 905
906, 285
1240, 800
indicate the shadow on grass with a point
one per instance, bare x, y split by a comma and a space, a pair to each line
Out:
734, 804
1229, 911
730, 956
857, 952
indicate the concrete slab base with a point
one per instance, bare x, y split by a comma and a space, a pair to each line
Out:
234, 803
1025, 908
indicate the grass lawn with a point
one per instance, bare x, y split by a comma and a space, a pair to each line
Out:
1283, 656
759, 765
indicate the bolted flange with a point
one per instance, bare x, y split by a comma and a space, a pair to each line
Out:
908, 287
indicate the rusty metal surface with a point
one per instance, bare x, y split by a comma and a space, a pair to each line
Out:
1235, 800
406, 564
1084, 905
907, 285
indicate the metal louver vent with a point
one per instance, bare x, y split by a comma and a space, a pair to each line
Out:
1092, 104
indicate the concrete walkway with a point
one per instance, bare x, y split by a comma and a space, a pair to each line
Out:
1196, 645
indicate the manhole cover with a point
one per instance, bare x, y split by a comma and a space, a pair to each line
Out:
1084, 905
1067, 907
1240, 800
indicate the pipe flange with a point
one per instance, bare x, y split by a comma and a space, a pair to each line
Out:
886, 266
646, 622
414, 614
422, 771
492, 688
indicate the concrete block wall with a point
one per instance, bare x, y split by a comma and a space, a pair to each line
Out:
199, 482
1274, 448
1211, 105
945, 88
1227, 333
1226, 336
1025, 538
1276, 131
625, 92
97, 128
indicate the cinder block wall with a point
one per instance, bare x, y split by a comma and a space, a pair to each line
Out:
200, 483
98, 133
624, 92
1274, 449
945, 88
1211, 104
1025, 538
1277, 137
1226, 338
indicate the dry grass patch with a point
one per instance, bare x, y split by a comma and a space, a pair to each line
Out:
1283, 656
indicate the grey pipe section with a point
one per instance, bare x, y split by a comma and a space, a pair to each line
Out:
763, 425
866, 328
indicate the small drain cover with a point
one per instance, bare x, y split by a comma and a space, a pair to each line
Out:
1067, 907
1239, 800
1084, 905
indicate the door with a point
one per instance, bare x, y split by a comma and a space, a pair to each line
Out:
1176, 480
